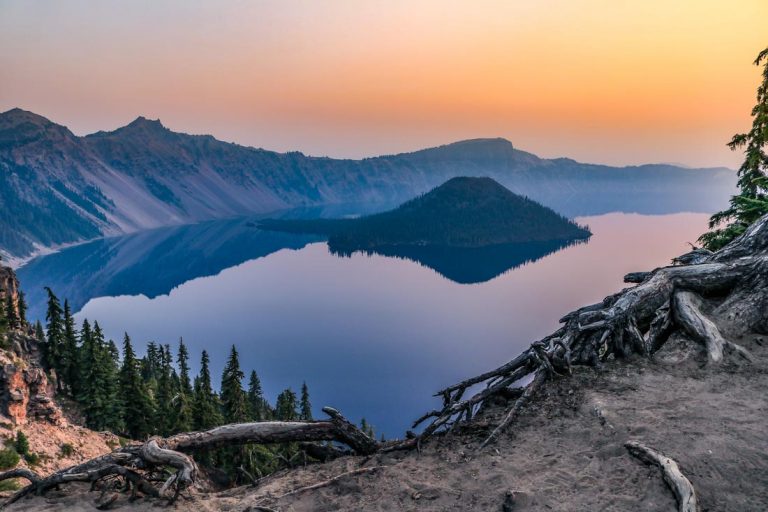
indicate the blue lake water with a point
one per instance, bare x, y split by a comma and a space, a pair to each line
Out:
372, 335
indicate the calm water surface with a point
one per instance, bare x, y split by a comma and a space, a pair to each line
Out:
373, 335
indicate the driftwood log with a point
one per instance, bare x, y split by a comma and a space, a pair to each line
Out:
680, 485
711, 298
134, 463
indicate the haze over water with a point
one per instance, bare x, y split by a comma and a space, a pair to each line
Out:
374, 336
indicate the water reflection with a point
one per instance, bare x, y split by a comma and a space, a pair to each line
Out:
469, 265
372, 335
151, 263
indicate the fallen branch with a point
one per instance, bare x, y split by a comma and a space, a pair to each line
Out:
680, 485
330, 481
135, 464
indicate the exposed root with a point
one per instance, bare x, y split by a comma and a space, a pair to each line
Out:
330, 481
519, 403
637, 320
137, 466
680, 485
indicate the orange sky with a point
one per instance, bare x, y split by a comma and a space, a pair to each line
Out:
609, 81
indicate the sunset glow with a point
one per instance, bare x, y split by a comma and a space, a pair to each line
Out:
618, 82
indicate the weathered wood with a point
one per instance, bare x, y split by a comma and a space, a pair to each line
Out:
680, 485
687, 311
160, 452
636, 277
538, 380
25, 473
639, 319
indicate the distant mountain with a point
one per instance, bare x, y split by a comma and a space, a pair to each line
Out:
462, 212
57, 188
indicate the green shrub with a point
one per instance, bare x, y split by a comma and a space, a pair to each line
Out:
8, 458
32, 459
67, 450
22, 443
9, 485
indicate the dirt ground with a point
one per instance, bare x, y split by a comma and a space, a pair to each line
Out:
565, 453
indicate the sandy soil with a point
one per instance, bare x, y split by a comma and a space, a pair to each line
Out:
565, 453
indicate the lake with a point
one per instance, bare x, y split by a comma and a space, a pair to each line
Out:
374, 335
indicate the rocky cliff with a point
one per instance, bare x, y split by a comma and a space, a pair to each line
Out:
25, 391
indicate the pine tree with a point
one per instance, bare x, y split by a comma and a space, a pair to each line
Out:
258, 408
752, 201
69, 357
85, 362
205, 407
21, 444
305, 406
136, 402
40, 334
367, 428
183, 420
12, 318
233, 400
113, 419
22, 308
3, 318
150, 366
55, 337
285, 406
164, 414
182, 358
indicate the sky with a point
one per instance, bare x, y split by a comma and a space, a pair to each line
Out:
606, 81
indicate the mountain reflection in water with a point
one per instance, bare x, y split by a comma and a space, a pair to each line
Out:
468, 265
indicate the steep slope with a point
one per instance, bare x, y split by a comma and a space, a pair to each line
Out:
57, 188
462, 212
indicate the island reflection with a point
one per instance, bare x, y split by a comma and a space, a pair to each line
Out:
467, 265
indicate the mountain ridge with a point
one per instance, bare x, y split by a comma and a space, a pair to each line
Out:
71, 188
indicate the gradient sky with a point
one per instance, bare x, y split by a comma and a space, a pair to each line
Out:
608, 81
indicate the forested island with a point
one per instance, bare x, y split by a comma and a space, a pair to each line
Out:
462, 212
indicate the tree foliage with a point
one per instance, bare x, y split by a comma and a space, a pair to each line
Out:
751, 202
155, 395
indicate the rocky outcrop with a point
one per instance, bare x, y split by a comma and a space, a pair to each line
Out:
9, 284
25, 391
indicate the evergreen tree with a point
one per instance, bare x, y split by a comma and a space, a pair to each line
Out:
39, 333
99, 393
285, 406
136, 402
22, 308
11, 317
257, 405
752, 201
367, 428
205, 407
111, 363
182, 358
233, 400
164, 413
150, 366
69, 354
21, 444
183, 420
305, 407
54, 346
3, 318
86, 362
